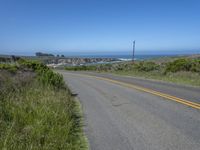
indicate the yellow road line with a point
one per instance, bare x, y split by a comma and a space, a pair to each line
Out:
167, 96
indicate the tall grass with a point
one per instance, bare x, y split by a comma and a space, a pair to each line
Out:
39, 114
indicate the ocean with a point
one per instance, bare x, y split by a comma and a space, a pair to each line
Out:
121, 57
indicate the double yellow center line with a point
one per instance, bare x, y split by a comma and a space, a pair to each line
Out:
167, 96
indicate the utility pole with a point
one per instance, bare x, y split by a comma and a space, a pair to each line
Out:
133, 57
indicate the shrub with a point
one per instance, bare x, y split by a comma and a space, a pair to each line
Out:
45, 75
35, 65
179, 65
104, 67
146, 66
195, 66
10, 67
48, 77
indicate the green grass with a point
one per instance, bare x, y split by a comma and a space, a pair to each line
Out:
177, 70
39, 114
187, 78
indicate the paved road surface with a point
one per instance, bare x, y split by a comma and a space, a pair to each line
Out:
122, 118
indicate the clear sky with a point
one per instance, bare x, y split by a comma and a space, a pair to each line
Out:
27, 26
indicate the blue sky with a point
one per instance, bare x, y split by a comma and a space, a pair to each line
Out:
64, 26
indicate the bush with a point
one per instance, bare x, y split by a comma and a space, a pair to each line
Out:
183, 65
45, 75
195, 66
10, 67
104, 67
35, 65
146, 66
48, 77
178, 65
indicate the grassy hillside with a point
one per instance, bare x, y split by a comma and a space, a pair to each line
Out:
178, 70
37, 110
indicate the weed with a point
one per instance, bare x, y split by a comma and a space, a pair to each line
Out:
37, 111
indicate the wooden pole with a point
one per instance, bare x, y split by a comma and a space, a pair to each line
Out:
133, 57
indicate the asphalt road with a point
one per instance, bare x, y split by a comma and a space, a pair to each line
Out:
119, 117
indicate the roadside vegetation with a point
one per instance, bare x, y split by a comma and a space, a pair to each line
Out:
180, 70
37, 110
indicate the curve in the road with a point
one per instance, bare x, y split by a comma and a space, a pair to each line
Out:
167, 96
120, 117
